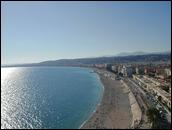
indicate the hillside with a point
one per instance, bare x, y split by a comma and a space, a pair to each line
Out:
147, 58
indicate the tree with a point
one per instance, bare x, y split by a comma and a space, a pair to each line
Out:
159, 98
153, 117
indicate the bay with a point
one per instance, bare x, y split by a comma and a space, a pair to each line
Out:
48, 97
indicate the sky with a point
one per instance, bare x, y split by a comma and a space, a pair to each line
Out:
39, 31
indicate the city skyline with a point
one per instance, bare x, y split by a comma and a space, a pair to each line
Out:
39, 31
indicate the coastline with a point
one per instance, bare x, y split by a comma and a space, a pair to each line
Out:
113, 109
98, 76
135, 109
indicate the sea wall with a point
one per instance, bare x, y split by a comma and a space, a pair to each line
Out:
135, 109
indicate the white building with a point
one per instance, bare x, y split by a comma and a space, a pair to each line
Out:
137, 70
119, 69
123, 70
127, 71
168, 72
152, 87
114, 68
170, 88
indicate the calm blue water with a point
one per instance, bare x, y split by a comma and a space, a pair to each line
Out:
48, 97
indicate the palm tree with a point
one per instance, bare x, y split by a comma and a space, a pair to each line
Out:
153, 117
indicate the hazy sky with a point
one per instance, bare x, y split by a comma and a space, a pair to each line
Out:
38, 31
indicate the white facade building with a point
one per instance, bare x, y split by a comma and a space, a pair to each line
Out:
168, 72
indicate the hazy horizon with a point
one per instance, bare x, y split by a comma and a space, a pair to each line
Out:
88, 57
38, 31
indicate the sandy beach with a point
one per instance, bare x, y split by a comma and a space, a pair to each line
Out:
114, 110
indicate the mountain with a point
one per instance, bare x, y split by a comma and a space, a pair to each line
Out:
136, 57
113, 59
131, 53
164, 52
141, 53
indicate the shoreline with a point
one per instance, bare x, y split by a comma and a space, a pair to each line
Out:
110, 112
101, 98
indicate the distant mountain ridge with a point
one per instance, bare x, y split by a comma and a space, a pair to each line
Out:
127, 58
139, 53
132, 53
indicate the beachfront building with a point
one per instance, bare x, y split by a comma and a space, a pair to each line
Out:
99, 66
159, 71
170, 88
123, 70
127, 71
168, 72
108, 67
114, 68
150, 70
139, 70
152, 87
152, 80
120, 69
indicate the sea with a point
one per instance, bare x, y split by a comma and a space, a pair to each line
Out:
48, 97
